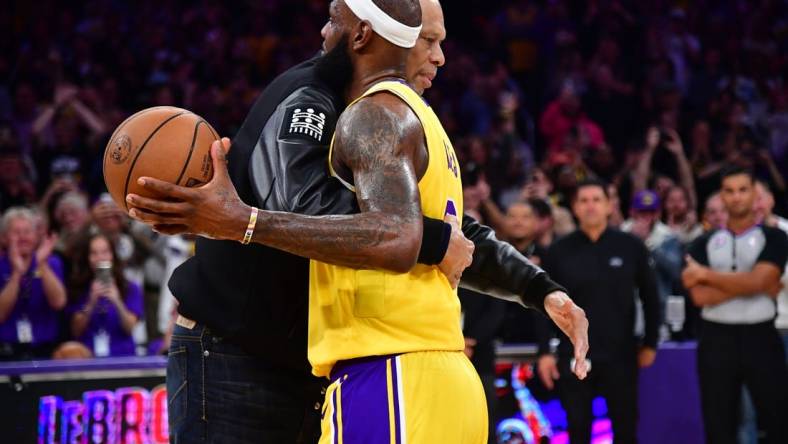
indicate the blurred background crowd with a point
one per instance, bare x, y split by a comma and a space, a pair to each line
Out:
653, 98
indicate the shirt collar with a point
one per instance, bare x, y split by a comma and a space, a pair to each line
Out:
585, 237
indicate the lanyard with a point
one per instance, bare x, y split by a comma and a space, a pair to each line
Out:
25, 292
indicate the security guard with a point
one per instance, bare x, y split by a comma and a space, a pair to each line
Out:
604, 270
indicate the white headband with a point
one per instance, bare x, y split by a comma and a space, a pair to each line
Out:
388, 28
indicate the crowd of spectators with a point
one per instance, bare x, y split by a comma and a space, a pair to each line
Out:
653, 98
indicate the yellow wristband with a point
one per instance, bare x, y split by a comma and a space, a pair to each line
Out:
250, 228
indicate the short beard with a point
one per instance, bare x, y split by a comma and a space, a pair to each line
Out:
335, 67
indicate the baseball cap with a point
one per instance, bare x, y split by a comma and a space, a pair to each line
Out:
646, 200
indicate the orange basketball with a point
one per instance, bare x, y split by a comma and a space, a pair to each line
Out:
164, 142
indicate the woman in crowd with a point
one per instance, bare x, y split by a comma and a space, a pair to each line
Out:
104, 306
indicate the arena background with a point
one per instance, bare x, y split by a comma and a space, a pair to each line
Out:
536, 95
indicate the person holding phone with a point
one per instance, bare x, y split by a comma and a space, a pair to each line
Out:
105, 306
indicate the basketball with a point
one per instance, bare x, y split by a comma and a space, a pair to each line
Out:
163, 142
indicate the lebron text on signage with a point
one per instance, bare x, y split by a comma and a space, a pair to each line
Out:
128, 415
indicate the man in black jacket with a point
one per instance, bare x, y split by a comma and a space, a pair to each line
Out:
604, 269
239, 372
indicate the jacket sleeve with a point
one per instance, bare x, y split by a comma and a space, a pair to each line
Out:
289, 164
289, 167
499, 270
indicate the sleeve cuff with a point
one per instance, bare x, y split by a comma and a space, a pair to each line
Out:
540, 286
434, 242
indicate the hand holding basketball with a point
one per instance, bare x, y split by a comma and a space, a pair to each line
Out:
213, 210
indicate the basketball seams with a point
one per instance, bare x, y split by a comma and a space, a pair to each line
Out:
191, 150
117, 130
210, 128
142, 148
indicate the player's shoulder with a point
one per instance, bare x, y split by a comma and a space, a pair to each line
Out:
381, 115
382, 103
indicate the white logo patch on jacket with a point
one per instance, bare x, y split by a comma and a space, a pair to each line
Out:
307, 121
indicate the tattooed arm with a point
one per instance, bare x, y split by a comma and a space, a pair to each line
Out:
379, 141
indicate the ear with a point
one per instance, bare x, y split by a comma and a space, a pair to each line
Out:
361, 36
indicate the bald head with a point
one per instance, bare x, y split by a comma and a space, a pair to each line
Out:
431, 10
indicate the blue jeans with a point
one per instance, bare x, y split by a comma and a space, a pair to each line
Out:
218, 393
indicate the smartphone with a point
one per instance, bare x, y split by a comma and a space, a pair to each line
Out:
104, 272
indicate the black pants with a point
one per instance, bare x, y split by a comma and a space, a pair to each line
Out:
217, 393
617, 382
732, 355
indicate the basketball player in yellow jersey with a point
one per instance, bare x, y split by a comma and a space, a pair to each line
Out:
391, 343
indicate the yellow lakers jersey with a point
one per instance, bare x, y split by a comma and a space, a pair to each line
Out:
356, 313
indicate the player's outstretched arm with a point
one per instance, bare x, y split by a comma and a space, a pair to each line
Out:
376, 140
